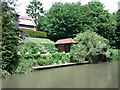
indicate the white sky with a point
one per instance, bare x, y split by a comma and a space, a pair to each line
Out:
111, 5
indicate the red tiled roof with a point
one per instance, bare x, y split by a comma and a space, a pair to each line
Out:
65, 41
25, 17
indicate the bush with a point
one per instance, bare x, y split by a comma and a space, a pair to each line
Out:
61, 57
4, 74
78, 53
29, 56
37, 34
36, 45
45, 59
31, 48
46, 56
43, 62
25, 66
91, 47
46, 44
115, 54
27, 61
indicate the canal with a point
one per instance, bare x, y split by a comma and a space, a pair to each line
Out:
102, 75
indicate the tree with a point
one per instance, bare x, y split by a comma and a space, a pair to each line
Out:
9, 37
103, 22
91, 47
35, 10
68, 19
117, 14
65, 20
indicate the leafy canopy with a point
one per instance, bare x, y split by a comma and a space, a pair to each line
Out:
64, 20
91, 47
103, 22
117, 14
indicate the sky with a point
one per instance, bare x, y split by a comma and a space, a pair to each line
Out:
110, 5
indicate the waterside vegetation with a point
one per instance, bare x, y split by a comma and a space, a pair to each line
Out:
94, 29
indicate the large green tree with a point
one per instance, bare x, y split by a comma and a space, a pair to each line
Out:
65, 20
9, 37
35, 10
68, 19
103, 22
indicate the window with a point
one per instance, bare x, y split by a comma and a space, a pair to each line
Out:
60, 48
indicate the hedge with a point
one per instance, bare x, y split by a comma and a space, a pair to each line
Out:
37, 34
49, 58
29, 56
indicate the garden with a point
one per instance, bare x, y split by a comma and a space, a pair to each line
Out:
96, 33
41, 51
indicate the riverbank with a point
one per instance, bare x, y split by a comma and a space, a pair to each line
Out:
30, 62
101, 75
59, 65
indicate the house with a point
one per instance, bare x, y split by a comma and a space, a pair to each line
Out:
64, 45
26, 23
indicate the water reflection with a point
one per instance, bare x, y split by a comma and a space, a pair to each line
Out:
104, 75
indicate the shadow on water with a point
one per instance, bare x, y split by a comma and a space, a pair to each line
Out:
103, 75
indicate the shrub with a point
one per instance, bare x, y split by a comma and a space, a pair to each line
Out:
61, 57
57, 56
90, 47
25, 66
46, 44
78, 53
115, 54
4, 74
36, 45
29, 56
37, 34
30, 48
45, 59
46, 56
43, 62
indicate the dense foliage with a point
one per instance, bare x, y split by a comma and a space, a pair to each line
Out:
118, 29
9, 38
27, 61
115, 54
93, 27
102, 21
37, 34
36, 45
35, 10
46, 44
65, 20
91, 47
54, 57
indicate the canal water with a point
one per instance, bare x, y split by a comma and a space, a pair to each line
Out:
102, 75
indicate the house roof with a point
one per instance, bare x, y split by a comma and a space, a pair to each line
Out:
65, 41
25, 17
25, 20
